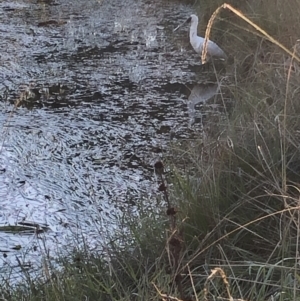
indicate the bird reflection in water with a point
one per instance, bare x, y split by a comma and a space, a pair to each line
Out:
200, 94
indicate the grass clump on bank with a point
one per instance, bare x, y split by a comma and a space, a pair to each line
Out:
229, 228
244, 170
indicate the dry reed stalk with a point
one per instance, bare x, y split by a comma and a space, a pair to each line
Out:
165, 297
213, 274
242, 16
192, 282
284, 130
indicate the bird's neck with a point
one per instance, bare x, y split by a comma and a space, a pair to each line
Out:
193, 31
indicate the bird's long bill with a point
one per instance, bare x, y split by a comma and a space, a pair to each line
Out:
185, 22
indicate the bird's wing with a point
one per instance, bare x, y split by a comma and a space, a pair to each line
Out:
214, 50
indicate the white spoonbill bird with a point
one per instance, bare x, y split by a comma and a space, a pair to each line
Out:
213, 50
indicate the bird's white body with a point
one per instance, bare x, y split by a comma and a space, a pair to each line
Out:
213, 50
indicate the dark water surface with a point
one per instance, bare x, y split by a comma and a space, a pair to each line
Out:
102, 85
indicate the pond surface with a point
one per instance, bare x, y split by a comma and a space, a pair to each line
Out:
101, 86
